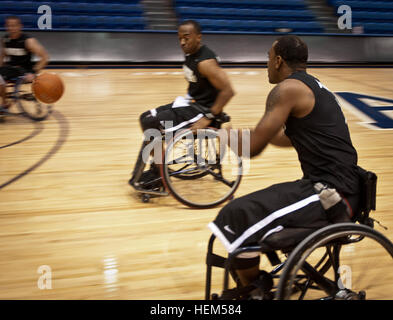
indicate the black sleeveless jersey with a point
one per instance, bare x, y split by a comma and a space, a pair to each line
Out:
322, 140
199, 87
17, 52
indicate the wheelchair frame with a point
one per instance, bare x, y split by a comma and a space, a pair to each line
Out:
16, 97
331, 237
164, 176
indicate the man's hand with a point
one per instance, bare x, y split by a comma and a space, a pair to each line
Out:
201, 124
29, 77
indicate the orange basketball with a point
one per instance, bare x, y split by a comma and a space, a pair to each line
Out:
48, 87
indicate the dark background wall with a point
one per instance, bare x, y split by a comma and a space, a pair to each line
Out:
137, 47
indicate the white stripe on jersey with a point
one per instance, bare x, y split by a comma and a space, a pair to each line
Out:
261, 224
15, 52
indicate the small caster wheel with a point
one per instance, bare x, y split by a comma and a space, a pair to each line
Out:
145, 198
215, 296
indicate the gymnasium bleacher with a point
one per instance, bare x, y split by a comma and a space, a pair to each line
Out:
266, 16
80, 15
249, 16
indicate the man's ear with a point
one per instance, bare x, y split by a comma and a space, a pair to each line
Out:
278, 62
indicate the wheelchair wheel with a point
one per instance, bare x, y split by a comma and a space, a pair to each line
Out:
198, 171
345, 261
28, 104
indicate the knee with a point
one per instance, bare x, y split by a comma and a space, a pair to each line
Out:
142, 118
231, 211
233, 206
148, 121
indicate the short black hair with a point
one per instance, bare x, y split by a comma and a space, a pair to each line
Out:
12, 18
293, 50
196, 25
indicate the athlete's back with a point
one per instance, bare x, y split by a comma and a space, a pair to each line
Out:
322, 140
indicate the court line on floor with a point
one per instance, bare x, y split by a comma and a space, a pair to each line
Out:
63, 134
36, 131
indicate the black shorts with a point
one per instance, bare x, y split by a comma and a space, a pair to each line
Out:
170, 117
11, 72
250, 219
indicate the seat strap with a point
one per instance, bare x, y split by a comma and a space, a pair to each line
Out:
215, 260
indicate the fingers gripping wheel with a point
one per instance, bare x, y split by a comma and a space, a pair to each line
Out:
217, 120
216, 169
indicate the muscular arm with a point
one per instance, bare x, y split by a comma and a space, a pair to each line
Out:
35, 47
281, 139
279, 105
283, 100
219, 79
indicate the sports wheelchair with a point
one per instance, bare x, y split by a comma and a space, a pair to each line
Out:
196, 168
19, 93
325, 264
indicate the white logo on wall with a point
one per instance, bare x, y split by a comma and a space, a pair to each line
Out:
345, 21
45, 280
189, 74
45, 21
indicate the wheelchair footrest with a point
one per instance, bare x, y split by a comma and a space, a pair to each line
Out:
236, 293
264, 283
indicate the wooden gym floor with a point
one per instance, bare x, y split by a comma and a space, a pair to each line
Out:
74, 212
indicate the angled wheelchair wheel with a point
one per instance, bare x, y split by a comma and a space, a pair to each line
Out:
198, 171
345, 261
28, 105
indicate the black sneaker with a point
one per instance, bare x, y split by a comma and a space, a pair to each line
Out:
149, 180
264, 285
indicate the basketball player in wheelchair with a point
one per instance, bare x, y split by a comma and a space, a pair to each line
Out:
333, 194
208, 92
18, 48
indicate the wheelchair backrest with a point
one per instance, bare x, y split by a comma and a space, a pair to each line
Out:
368, 189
